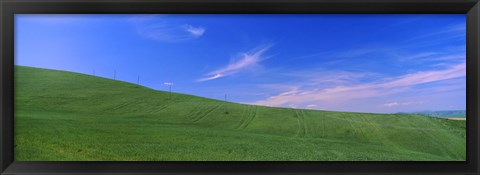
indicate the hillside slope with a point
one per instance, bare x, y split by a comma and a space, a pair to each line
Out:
69, 116
445, 114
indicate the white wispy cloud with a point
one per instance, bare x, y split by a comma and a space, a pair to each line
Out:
429, 39
378, 88
156, 27
416, 57
395, 103
452, 31
194, 31
277, 87
392, 104
421, 58
246, 60
211, 77
329, 77
427, 76
349, 53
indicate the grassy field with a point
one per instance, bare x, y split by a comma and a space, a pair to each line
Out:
68, 116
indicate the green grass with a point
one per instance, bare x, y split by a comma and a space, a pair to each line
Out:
64, 116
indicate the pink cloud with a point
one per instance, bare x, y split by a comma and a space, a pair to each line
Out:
306, 95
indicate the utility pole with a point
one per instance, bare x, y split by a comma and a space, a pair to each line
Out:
225, 102
93, 72
169, 84
138, 80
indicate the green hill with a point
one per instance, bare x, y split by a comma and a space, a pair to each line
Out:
444, 114
69, 116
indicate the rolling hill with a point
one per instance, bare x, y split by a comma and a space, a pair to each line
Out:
444, 114
63, 116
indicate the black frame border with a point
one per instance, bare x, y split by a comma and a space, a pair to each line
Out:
10, 7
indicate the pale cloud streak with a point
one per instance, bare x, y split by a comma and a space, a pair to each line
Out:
301, 95
432, 57
156, 27
194, 31
351, 53
394, 104
453, 31
427, 76
317, 77
247, 60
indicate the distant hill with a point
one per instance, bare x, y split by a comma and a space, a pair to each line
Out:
65, 116
443, 114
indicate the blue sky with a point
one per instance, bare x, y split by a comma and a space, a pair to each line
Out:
362, 63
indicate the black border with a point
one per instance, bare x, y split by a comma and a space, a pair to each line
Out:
10, 7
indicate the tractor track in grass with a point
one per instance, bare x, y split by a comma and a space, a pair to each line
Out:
357, 132
432, 138
301, 132
122, 105
384, 126
349, 123
374, 126
155, 110
304, 121
245, 115
192, 112
164, 107
250, 115
161, 107
251, 118
378, 130
324, 131
198, 111
205, 114
367, 123
173, 102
